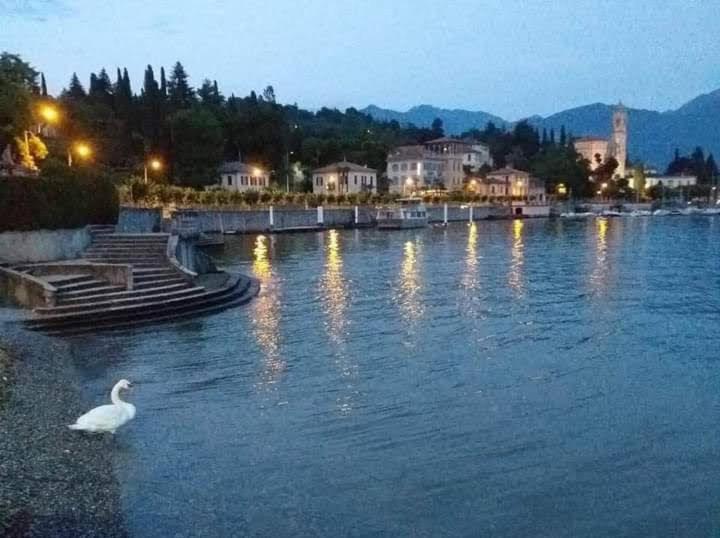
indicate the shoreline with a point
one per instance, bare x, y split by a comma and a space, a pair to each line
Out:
53, 481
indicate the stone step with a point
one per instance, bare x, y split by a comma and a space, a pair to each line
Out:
81, 285
85, 305
159, 283
135, 311
150, 271
63, 280
240, 299
64, 296
154, 277
125, 250
125, 293
139, 262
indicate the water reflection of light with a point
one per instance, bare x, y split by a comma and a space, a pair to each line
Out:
599, 275
335, 292
265, 314
410, 284
470, 278
515, 277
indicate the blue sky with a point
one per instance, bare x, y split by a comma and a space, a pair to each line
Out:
512, 58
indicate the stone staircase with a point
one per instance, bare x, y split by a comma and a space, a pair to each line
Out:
160, 292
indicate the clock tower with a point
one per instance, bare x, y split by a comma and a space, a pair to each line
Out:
618, 141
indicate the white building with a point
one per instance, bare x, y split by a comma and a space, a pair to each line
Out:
344, 178
670, 182
238, 176
515, 183
437, 163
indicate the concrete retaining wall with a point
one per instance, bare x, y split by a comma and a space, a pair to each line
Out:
43, 245
139, 220
115, 273
26, 290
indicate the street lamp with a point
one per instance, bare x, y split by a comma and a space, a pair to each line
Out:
81, 149
48, 113
155, 165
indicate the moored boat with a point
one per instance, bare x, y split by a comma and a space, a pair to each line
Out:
411, 213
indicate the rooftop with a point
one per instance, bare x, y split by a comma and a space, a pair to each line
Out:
234, 167
343, 166
507, 171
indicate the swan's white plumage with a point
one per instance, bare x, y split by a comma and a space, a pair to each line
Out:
107, 418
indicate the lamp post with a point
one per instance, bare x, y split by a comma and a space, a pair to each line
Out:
287, 169
83, 150
48, 113
155, 165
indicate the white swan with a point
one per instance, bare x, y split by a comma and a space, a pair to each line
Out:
107, 418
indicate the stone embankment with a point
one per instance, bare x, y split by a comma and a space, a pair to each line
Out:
158, 290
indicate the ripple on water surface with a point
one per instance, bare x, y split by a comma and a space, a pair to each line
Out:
504, 378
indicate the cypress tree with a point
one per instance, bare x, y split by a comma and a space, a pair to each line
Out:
126, 82
563, 136
163, 83
552, 137
544, 137
179, 91
43, 86
711, 169
75, 89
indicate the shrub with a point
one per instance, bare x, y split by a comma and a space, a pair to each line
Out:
352, 198
58, 198
191, 196
251, 197
265, 197
330, 198
236, 198
341, 199
364, 198
208, 197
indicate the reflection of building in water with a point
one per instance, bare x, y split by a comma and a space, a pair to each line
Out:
410, 285
334, 293
515, 276
266, 309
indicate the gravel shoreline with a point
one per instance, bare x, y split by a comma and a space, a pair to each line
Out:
53, 481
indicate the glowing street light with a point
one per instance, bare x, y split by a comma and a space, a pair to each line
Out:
81, 149
155, 165
561, 188
49, 113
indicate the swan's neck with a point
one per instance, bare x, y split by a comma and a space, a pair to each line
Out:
115, 395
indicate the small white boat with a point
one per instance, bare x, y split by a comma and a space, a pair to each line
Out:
574, 215
661, 213
411, 213
640, 213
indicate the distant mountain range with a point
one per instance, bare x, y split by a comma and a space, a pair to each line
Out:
652, 136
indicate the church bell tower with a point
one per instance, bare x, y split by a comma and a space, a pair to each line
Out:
619, 138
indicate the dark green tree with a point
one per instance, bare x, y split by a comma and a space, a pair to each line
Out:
197, 146
43, 85
437, 128
563, 136
180, 94
75, 89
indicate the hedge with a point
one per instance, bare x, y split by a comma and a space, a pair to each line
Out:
65, 199
158, 195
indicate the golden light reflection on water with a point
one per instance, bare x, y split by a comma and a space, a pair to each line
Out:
265, 314
470, 275
599, 274
408, 296
517, 261
334, 290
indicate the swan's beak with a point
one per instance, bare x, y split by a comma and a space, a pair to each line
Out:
129, 385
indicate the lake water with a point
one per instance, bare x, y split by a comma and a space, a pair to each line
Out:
514, 378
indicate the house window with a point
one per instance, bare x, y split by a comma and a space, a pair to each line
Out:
229, 180
395, 167
403, 166
355, 180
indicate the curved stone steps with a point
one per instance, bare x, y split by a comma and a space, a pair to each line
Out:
162, 317
127, 293
124, 313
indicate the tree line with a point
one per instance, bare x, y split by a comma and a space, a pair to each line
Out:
193, 129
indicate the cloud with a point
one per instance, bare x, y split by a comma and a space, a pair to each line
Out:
36, 10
